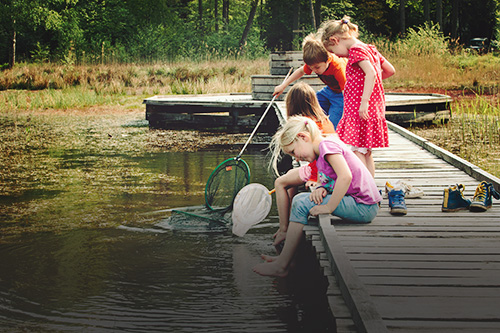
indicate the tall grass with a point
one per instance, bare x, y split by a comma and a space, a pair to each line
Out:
473, 132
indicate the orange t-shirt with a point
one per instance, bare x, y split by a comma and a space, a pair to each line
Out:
334, 75
326, 127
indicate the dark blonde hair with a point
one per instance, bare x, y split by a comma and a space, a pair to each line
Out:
313, 50
288, 134
342, 28
301, 100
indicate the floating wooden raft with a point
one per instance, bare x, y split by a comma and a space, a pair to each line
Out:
404, 109
240, 112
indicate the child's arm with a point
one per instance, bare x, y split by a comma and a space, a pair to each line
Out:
278, 90
370, 74
344, 178
388, 69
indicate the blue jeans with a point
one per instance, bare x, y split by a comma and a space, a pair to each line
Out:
332, 103
348, 209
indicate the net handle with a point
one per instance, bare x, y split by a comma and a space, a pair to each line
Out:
261, 118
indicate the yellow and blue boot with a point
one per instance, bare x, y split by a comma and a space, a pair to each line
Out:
482, 197
454, 200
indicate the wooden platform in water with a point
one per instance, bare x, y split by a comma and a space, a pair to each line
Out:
241, 112
428, 271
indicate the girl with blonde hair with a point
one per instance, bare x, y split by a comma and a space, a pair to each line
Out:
347, 188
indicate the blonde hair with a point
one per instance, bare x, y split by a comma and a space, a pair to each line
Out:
301, 100
342, 28
313, 50
288, 134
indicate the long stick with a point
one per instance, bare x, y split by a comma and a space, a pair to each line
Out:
261, 118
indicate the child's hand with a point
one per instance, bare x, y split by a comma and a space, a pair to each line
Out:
311, 184
317, 195
363, 110
320, 209
278, 90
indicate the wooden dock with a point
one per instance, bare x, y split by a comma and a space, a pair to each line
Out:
241, 112
427, 271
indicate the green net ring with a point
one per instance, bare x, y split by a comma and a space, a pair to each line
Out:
224, 183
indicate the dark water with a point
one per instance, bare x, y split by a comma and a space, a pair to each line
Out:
146, 276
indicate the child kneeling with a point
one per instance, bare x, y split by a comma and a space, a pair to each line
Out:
347, 189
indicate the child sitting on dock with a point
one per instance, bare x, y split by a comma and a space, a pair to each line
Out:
330, 69
300, 101
347, 189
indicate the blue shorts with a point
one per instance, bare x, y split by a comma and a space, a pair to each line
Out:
348, 209
332, 103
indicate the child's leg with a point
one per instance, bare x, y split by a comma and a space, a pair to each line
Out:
367, 160
336, 108
285, 187
279, 266
323, 99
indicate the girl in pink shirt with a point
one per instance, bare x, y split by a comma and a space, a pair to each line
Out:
347, 188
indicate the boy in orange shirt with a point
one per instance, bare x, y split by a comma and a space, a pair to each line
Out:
330, 69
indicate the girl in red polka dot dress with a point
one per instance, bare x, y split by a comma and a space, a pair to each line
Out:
363, 124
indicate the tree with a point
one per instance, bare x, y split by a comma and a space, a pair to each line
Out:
251, 16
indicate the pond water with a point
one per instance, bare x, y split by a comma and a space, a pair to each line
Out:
115, 266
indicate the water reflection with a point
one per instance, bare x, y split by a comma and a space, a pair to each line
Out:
111, 280
146, 275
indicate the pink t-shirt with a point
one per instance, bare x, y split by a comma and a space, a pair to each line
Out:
362, 188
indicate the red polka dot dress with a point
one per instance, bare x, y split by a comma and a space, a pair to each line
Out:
372, 132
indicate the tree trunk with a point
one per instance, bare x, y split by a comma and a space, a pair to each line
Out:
402, 21
251, 16
427, 12
200, 12
225, 11
313, 18
317, 11
454, 18
216, 15
439, 13
12, 60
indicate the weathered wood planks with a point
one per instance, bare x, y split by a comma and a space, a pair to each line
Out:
427, 271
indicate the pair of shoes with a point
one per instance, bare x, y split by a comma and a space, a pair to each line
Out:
481, 201
454, 200
410, 191
397, 202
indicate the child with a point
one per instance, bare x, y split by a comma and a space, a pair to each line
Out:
363, 125
300, 100
348, 190
330, 69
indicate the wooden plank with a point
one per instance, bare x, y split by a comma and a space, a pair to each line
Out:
363, 311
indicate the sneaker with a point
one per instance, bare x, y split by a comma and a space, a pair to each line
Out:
397, 202
482, 197
411, 192
454, 200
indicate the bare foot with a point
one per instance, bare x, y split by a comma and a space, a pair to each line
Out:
268, 258
270, 269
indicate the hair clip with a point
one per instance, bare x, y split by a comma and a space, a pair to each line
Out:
344, 21
305, 123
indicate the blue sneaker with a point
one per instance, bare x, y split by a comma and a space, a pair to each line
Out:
397, 202
454, 200
482, 197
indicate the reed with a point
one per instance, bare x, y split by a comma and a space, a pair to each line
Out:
473, 132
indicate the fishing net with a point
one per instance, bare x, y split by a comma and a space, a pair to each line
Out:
227, 179
224, 184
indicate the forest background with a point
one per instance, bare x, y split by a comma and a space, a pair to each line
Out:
90, 31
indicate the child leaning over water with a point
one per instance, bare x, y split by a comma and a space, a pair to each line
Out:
347, 189
300, 101
363, 125
330, 69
